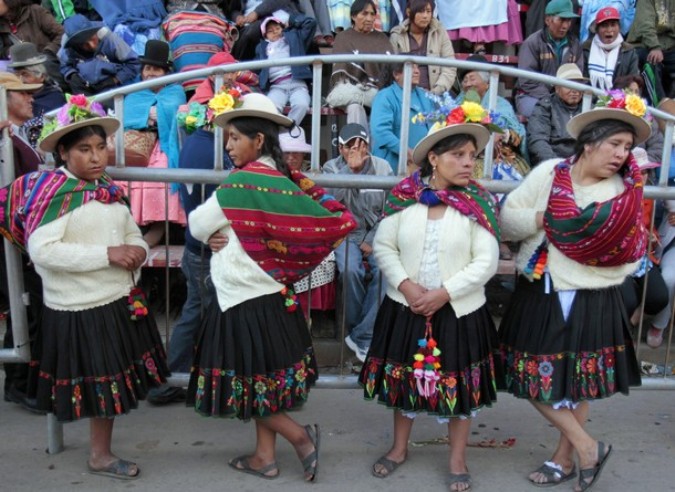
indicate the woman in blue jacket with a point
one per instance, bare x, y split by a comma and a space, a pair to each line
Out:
386, 116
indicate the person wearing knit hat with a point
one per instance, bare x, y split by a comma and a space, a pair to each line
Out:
286, 84
244, 80
606, 55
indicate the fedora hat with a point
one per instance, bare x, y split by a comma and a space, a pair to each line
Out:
13, 83
24, 55
76, 113
435, 135
78, 29
570, 71
476, 57
256, 106
642, 129
157, 54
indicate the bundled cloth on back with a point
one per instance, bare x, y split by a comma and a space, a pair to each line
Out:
287, 227
194, 38
39, 198
608, 233
473, 200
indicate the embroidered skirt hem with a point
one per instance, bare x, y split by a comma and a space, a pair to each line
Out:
253, 360
469, 375
96, 362
586, 357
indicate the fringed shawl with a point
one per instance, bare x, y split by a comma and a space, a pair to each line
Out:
287, 226
473, 200
608, 233
39, 198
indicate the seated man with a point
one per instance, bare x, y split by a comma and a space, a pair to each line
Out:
359, 294
547, 135
95, 59
544, 51
653, 34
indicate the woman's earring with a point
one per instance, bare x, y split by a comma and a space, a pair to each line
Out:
433, 174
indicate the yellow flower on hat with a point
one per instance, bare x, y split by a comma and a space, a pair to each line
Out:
221, 102
474, 112
635, 105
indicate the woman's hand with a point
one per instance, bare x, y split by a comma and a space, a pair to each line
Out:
430, 302
539, 220
412, 292
671, 218
126, 256
152, 116
218, 241
366, 249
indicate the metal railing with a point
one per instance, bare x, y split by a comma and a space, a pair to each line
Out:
215, 176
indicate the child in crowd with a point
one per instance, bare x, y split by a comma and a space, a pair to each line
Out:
286, 84
95, 59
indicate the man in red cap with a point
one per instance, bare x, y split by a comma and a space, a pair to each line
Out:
243, 79
606, 55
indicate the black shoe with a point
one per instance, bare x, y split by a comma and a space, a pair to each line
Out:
13, 395
161, 396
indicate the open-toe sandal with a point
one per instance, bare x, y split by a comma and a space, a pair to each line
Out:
389, 467
454, 478
594, 473
554, 475
120, 469
241, 464
310, 463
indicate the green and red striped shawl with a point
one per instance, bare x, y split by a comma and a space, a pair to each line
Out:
472, 200
287, 226
39, 198
608, 233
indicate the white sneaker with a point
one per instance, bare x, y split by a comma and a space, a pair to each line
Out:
360, 353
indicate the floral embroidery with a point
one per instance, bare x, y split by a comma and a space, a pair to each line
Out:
77, 398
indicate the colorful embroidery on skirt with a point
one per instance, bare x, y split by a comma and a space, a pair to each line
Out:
259, 395
545, 377
396, 385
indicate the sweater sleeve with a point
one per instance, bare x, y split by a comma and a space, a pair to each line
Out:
518, 215
643, 30
382, 122
539, 132
48, 250
483, 265
447, 77
386, 251
133, 235
207, 219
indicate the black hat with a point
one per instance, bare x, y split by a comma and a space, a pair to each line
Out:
156, 54
25, 55
461, 72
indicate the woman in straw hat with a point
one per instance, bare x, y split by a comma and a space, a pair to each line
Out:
100, 349
437, 247
254, 355
565, 336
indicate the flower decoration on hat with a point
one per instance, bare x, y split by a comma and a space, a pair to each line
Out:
620, 99
452, 111
77, 108
199, 115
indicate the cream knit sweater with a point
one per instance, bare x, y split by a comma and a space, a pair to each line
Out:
468, 255
71, 256
518, 224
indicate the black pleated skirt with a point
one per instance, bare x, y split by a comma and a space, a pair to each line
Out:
469, 374
96, 362
253, 360
549, 360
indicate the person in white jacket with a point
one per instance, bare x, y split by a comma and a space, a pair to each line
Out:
565, 336
433, 339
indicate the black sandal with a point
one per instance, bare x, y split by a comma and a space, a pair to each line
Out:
554, 474
594, 473
310, 463
389, 465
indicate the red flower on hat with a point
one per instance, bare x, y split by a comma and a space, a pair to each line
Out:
456, 116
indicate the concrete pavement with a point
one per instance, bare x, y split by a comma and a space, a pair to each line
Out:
181, 451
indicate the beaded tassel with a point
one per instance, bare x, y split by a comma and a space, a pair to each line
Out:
427, 363
138, 305
537, 262
291, 301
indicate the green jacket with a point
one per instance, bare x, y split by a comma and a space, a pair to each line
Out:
654, 25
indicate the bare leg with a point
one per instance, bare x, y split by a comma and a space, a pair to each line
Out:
458, 432
399, 450
289, 429
100, 439
564, 453
566, 421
